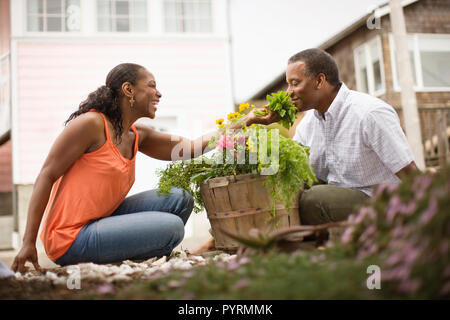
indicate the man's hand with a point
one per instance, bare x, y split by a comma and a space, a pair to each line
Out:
271, 117
27, 253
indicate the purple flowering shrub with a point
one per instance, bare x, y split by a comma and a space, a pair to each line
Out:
407, 228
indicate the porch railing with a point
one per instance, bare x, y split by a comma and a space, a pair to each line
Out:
435, 127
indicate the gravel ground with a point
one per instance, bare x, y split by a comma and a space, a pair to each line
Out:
64, 282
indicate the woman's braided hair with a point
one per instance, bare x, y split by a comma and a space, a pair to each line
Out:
106, 99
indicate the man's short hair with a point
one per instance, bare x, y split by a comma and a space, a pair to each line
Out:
318, 61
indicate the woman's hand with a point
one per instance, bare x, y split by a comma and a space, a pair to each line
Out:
27, 253
271, 117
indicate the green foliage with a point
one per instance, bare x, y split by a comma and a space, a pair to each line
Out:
281, 102
408, 228
304, 275
294, 171
287, 168
179, 174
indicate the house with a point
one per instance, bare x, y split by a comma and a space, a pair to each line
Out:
55, 52
365, 55
6, 186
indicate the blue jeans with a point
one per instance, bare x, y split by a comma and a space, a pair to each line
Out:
144, 225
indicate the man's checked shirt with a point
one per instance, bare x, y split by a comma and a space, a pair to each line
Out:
358, 144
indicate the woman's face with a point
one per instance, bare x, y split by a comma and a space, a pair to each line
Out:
146, 95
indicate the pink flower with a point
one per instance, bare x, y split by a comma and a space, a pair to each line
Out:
445, 245
361, 215
409, 286
445, 289
232, 265
447, 272
105, 288
241, 283
420, 185
188, 295
368, 233
347, 235
230, 143
393, 208
221, 143
244, 260
240, 139
225, 142
389, 187
394, 258
429, 213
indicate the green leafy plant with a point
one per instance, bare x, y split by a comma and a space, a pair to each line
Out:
252, 149
280, 102
407, 227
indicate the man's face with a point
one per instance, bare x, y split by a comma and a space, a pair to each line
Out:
301, 87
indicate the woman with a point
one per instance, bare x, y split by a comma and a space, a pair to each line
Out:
89, 171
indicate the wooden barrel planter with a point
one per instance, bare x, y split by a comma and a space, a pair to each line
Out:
240, 203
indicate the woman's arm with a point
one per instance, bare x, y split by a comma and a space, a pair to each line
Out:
168, 147
76, 138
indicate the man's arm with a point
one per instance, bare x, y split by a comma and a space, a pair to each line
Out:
407, 171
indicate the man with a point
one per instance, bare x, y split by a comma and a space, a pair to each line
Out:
356, 140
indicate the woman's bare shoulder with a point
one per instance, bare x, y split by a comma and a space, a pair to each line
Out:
88, 119
88, 126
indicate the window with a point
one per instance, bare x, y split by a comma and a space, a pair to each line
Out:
187, 16
430, 61
4, 94
369, 67
53, 15
122, 15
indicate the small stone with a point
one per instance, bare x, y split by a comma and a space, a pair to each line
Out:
197, 259
150, 261
119, 278
176, 283
165, 267
160, 261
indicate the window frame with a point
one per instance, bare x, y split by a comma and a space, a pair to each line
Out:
183, 18
417, 67
44, 16
5, 79
365, 47
130, 17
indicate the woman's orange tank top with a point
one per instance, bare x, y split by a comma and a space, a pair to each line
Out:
93, 187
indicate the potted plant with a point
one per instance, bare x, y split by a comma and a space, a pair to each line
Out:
254, 176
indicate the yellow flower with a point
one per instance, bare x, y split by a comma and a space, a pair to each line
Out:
252, 146
243, 106
219, 121
233, 115
221, 125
